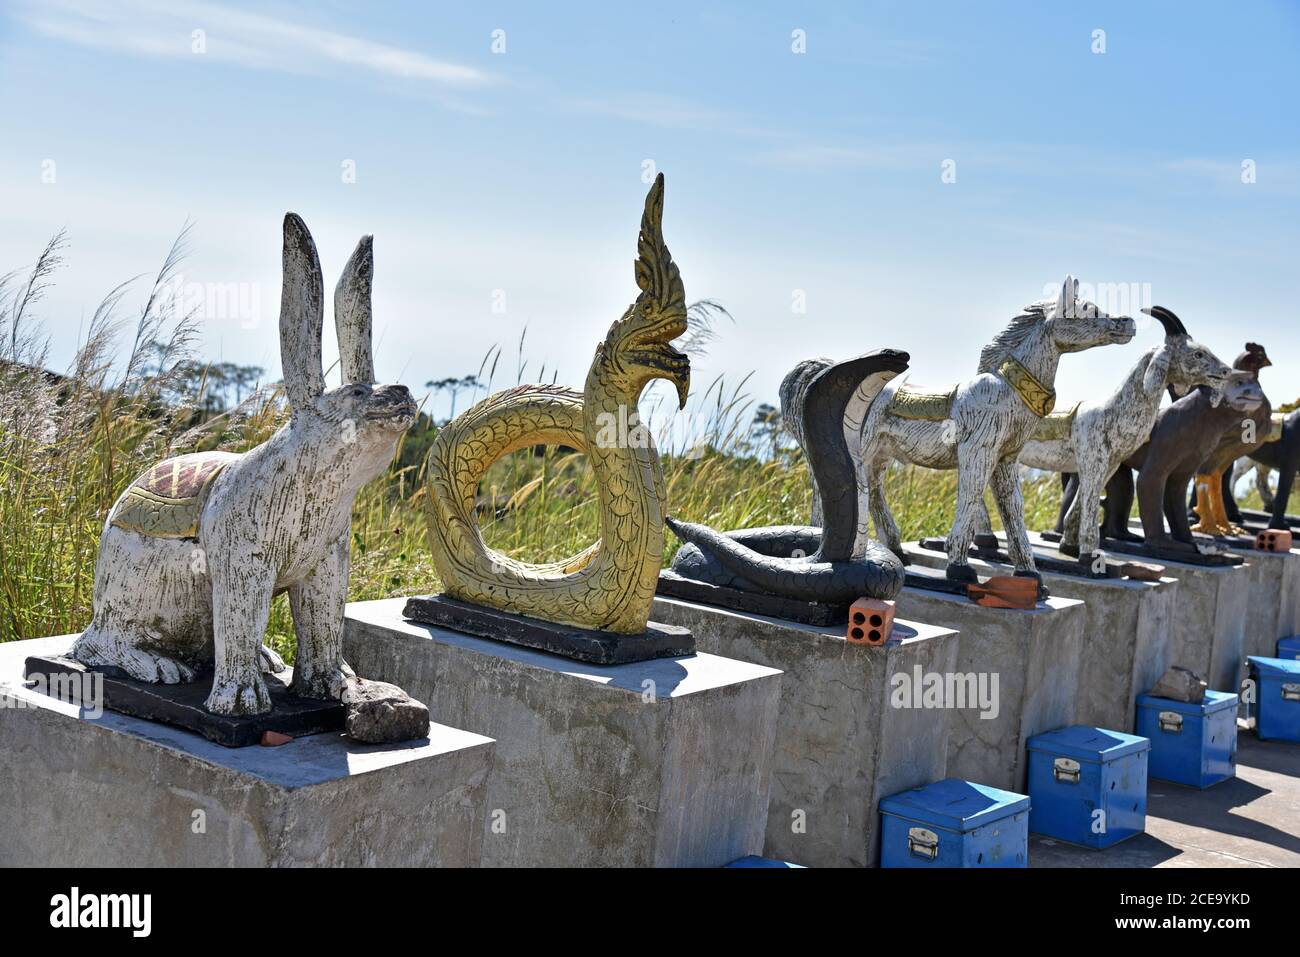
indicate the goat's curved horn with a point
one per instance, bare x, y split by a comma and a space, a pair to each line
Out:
1173, 325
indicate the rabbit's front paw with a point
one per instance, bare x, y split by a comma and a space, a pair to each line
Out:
327, 683
139, 664
157, 669
236, 696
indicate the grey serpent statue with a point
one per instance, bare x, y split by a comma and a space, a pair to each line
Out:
798, 561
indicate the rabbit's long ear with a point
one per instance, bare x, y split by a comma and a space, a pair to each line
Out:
302, 314
352, 320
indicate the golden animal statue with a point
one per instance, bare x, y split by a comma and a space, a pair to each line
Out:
609, 586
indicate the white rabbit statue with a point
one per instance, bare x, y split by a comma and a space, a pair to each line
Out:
194, 551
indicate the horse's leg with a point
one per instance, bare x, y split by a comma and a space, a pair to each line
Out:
1152, 499
1285, 481
1261, 485
1082, 529
1180, 528
1119, 505
1069, 489
984, 537
1011, 506
974, 468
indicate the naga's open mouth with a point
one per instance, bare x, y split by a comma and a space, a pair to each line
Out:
662, 361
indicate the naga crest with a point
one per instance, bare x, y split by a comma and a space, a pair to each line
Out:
637, 347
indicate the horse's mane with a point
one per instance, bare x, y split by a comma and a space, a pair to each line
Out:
993, 355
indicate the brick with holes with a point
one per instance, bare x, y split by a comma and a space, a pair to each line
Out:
870, 621
1273, 540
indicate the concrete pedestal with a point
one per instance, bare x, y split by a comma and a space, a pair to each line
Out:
112, 790
1273, 609
1209, 624
1126, 635
850, 729
1027, 660
656, 763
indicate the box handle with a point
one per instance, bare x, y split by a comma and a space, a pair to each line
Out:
1171, 721
1291, 692
1066, 770
922, 843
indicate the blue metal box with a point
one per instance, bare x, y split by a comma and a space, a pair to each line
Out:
1088, 786
1277, 697
1289, 647
954, 823
1192, 744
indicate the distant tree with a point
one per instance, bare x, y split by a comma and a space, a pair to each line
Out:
214, 387
454, 386
767, 429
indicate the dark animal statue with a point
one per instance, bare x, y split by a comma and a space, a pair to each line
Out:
1283, 455
1185, 434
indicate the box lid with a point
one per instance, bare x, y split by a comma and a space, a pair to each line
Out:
1275, 667
955, 804
1289, 644
1214, 701
1094, 745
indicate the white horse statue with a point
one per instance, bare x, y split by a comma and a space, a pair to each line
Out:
979, 427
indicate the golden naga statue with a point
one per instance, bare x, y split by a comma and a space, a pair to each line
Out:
609, 586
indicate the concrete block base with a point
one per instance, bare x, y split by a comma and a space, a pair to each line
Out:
1126, 635
80, 790
1273, 609
1026, 661
654, 763
850, 730
1210, 614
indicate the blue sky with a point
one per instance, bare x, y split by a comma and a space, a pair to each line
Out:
522, 171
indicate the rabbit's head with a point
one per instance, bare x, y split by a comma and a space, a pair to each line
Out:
358, 423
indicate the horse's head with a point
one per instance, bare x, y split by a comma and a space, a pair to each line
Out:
1077, 325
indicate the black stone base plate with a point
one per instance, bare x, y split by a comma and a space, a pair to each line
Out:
580, 644
673, 585
1187, 556
1056, 564
935, 579
1257, 517
181, 705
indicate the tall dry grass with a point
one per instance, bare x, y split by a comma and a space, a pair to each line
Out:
70, 444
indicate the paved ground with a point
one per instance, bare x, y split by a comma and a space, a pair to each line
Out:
1250, 821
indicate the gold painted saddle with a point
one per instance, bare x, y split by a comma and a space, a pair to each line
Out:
167, 500
925, 406
1057, 426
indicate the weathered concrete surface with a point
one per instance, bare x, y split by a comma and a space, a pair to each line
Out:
1033, 656
655, 763
1252, 820
1126, 635
1273, 610
843, 739
123, 792
1209, 624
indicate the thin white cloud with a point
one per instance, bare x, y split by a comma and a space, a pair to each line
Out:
666, 111
233, 35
